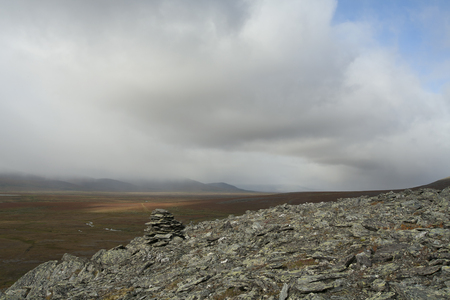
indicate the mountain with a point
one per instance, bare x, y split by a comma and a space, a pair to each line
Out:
31, 183
222, 186
277, 188
173, 185
187, 185
106, 185
24, 183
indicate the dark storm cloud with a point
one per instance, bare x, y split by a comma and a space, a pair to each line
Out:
213, 90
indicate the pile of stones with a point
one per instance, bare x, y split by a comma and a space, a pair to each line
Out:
390, 246
162, 228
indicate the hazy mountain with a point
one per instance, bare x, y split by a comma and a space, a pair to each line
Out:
18, 182
172, 185
186, 185
28, 183
276, 188
225, 187
106, 184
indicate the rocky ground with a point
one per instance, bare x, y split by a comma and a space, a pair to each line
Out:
391, 246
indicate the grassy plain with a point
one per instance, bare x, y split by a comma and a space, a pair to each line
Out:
37, 227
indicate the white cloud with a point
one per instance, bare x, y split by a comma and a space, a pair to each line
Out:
241, 92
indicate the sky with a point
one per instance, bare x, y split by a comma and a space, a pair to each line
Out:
316, 94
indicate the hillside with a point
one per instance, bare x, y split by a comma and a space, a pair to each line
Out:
439, 184
389, 246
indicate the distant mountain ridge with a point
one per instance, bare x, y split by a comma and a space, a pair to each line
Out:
33, 183
28, 183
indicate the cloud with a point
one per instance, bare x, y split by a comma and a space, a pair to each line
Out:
234, 91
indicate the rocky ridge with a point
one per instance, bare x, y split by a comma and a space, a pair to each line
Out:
391, 246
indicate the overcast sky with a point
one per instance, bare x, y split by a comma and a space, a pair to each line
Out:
325, 94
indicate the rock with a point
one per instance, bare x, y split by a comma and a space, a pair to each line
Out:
372, 225
284, 292
420, 292
313, 296
390, 246
347, 260
382, 296
115, 256
308, 287
162, 228
191, 284
359, 231
425, 270
317, 283
363, 259
379, 285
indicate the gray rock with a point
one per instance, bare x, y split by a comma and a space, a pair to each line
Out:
383, 296
359, 231
363, 259
308, 287
284, 292
313, 296
379, 285
347, 260
420, 292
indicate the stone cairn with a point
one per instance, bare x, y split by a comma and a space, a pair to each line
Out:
162, 228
